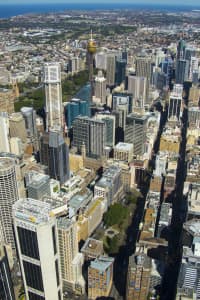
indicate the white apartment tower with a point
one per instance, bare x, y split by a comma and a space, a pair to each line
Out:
53, 95
175, 102
8, 196
36, 238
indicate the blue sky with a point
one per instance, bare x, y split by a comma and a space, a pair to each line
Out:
167, 2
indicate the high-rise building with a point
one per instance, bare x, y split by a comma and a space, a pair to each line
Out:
17, 126
120, 71
53, 95
37, 184
138, 277
167, 68
182, 70
54, 153
109, 121
7, 100
4, 132
175, 102
101, 60
100, 88
8, 196
75, 108
135, 132
180, 54
6, 285
91, 133
143, 66
122, 100
100, 277
37, 244
71, 260
29, 115
137, 86
110, 71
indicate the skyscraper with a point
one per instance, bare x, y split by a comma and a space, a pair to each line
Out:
137, 86
6, 285
182, 71
100, 88
91, 133
8, 196
75, 108
110, 71
4, 132
91, 50
109, 121
17, 126
143, 67
53, 95
37, 244
70, 259
180, 53
120, 71
54, 153
29, 115
175, 102
135, 132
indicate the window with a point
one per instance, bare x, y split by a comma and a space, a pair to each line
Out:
54, 239
33, 275
57, 272
28, 242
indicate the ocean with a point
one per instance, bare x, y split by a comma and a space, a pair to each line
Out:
8, 10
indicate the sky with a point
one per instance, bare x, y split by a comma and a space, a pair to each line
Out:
167, 2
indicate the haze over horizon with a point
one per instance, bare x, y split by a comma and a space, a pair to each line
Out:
164, 2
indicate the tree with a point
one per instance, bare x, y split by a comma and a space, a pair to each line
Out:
115, 214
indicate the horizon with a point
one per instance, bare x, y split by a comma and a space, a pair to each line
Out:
103, 2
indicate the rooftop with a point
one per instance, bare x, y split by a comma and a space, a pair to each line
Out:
102, 263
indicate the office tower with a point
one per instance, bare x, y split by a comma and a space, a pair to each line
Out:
91, 133
109, 121
180, 54
138, 277
54, 153
29, 115
175, 102
120, 71
110, 71
160, 80
17, 126
159, 57
189, 53
37, 185
53, 95
182, 71
8, 196
6, 285
4, 132
123, 152
75, 108
137, 86
71, 260
101, 60
37, 244
7, 98
100, 277
194, 67
135, 132
100, 88
16, 146
124, 100
75, 64
143, 67
91, 50
167, 68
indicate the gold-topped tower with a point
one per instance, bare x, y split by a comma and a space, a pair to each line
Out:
91, 49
